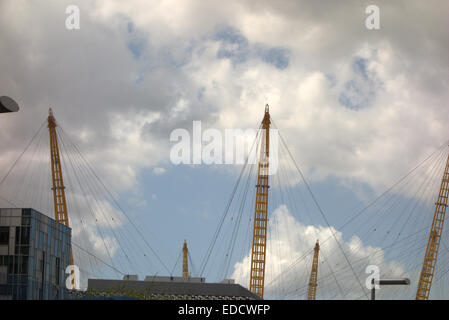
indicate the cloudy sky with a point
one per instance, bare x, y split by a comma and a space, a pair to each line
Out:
358, 108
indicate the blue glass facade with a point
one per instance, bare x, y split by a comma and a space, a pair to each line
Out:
34, 253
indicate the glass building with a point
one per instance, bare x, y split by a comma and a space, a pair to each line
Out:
34, 253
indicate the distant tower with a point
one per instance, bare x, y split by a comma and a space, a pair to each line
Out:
311, 292
60, 203
185, 261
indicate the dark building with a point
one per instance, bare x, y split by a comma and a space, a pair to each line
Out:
34, 253
169, 288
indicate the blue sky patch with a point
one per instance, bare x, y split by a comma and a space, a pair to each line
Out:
276, 56
236, 47
136, 48
359, 92
136, 43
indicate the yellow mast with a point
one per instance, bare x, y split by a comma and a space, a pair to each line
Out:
311, 292
185, 262
436, 230
257, 274
60, 203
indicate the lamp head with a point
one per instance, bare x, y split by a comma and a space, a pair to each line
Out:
8, 105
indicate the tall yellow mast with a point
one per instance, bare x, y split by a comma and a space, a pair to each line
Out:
185, 261
436, 230
257, 275
311, 292
59, 199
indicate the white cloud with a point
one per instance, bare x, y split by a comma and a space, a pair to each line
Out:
286, 279
158, 171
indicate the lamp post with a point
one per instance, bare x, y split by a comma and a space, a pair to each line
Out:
387, 282
8, 105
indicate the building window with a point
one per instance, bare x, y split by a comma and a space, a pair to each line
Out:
41, 240
17, 235
22, 250
22, 265
22, 240
25, 236
26, 221
43, 267
58, 269
4, 260
4, 235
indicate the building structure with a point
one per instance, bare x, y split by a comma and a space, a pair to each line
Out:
34, 254
169, 288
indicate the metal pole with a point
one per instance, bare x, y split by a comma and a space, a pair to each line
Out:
387, 282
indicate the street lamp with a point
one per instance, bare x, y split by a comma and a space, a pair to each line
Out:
387, 282
8, 105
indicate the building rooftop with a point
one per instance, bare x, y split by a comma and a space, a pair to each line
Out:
172, 289
173, 279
